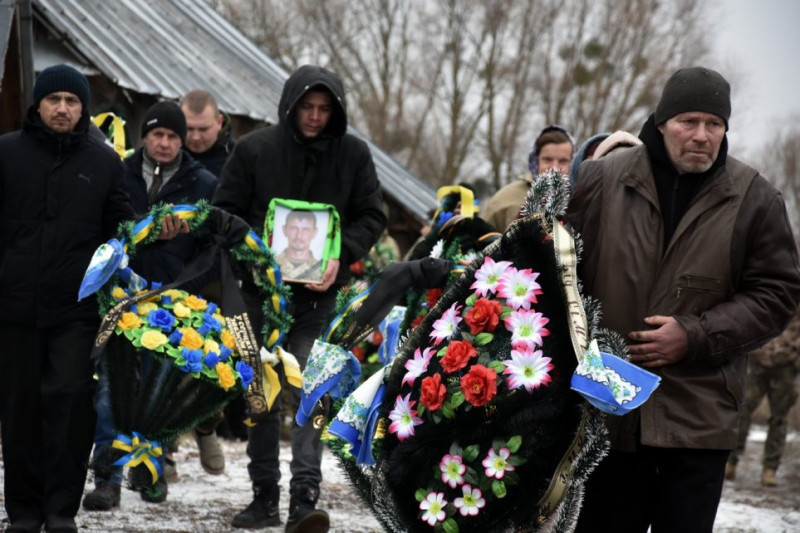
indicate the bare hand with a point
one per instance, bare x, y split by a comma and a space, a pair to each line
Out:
665, 345
327, 278
172, 226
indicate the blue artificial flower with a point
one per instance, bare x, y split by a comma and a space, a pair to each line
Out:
212, 308
211, 322
211, 360
194, 360
175, 337
203, 329
155, 285
161, 319
166, 299
225, 352
246, 372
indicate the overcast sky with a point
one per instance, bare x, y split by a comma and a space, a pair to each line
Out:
756, 45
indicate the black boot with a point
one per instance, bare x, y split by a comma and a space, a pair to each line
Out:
303, 515
263, 511
103, 498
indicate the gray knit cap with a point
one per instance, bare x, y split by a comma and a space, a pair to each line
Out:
695, 89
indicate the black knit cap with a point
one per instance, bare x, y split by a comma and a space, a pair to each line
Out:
61, 78
695, 89
165, 115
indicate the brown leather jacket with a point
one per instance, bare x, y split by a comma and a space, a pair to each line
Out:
729, 276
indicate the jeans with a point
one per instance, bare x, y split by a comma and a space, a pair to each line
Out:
263, 447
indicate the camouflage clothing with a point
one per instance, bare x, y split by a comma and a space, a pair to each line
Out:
772, 371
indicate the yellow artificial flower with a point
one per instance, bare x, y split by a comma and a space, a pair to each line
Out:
129, 321
144, 308
152, 339
226, 377
211, 346
118, 293
181, 311
195, 303
175, 294
228, 339
191, 339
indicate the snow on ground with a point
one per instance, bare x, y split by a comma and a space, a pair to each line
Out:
202, 503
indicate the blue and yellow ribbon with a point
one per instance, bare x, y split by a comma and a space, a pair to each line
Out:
350, 307
140, 451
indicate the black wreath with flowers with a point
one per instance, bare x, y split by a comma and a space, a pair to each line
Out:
478, 419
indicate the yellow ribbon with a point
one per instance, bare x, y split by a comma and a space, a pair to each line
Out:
468, 207
140, 451
116, 131
272, 382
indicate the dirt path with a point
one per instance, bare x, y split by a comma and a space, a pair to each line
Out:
200, 503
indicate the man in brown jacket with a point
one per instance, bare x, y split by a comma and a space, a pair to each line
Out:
691, 254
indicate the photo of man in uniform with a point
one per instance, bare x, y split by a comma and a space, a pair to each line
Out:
298, 261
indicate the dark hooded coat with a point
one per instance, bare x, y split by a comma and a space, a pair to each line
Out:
334, 168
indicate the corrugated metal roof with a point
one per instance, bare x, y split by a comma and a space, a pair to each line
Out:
169, 47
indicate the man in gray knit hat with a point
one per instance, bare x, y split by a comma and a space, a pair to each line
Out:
691, 254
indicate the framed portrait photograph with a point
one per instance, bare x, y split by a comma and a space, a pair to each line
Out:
303, 237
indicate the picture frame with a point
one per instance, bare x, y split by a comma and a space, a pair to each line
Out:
303, 237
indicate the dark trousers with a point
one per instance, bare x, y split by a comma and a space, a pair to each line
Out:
47, 417
667, 489
263, 446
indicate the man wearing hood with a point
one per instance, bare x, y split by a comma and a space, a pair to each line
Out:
61, 196
307, 156
692, 256
552, 149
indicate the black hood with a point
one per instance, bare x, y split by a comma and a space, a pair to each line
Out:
301, 81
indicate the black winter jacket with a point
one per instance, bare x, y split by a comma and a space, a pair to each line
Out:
60, 198
163, 261
334, 167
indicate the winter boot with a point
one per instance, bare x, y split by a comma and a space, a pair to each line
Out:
211, 457
730, 471
170, 470
263, 511
768, 477
103, 498
24, 525
303, 515
60, 524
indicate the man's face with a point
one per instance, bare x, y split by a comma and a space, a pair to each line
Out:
162, 145
692, 140
314, 112
60, 111
557, 156
202, 129
299, 233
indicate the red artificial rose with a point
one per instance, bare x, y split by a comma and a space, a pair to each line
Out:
432, 297
479, 385
457, 356
432, 392
484, 316
358, 351
357, 268
377, 338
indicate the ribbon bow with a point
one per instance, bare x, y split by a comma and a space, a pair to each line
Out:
272, 382
140, 451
